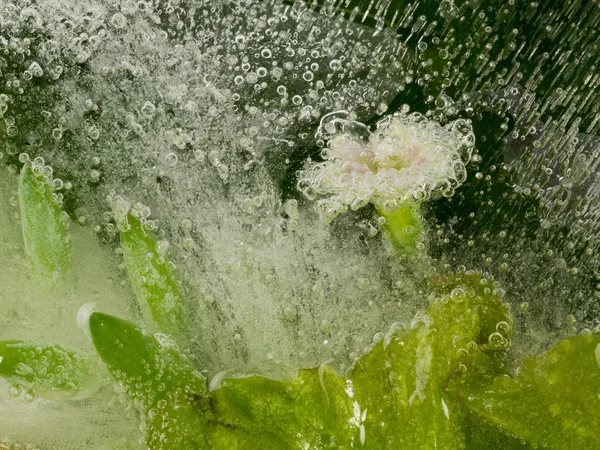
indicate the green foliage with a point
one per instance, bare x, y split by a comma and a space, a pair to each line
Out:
394, 397
481, 435
157, 290
400, 391
48, 370
311, 407
45, 234
143, 361
157, 378
402, 379
551, 401
441, 383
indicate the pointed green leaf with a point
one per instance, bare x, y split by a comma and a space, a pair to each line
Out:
157, 378
48, 370
552, 400
45, 234
143, 363
157, 290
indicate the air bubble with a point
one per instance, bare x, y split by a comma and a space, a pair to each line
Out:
498, 342
458, 294
119, 21
148, 109
364, 283
308, 76
93, 133
171, 159
502, 327
94, 176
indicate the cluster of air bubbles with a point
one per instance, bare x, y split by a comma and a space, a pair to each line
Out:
3, 104
407, 158
121, 209
45, 173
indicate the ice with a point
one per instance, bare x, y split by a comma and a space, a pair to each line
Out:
202, 118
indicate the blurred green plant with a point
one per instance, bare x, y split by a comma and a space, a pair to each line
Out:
45, 233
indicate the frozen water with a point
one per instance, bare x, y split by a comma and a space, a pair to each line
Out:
202, 118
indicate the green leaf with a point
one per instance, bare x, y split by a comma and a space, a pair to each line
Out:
47, 241
165, 387
482, 435
552, 400
147, 366
399, 390
157, 378
394, 397
400, 382
47, 369
474, 324
311, 409
157, 290
224, 437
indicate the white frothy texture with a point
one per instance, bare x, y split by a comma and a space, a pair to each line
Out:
407, 158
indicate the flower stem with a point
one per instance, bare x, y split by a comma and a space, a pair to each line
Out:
404, 227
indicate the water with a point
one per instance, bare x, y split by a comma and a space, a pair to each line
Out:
208, 120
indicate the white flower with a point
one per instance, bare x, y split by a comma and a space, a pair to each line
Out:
407, 158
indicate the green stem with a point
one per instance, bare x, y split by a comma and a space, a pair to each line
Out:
404, 227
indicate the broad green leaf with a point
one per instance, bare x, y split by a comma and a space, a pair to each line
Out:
481, 297
312, 409
48, 370
176, 423
473, 322
225, 437
400, 382
394, 397
481, 435
553, 400
156, 288
157, 378
45, 234
399, 390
